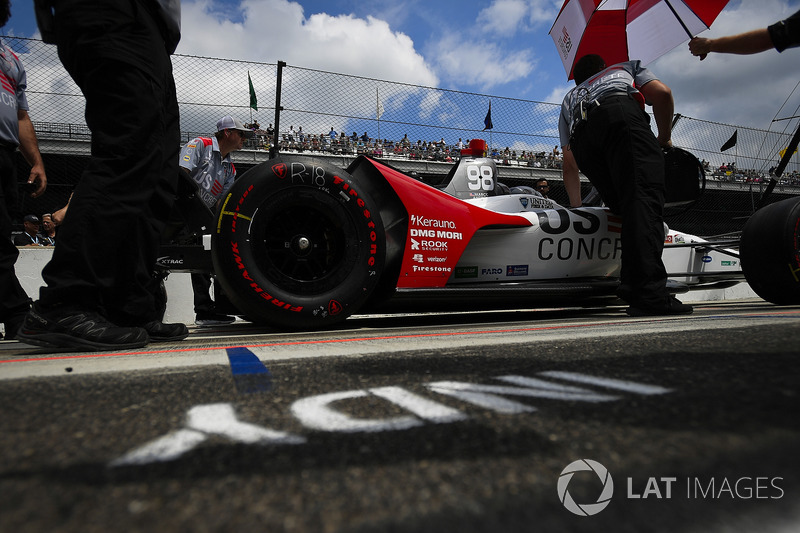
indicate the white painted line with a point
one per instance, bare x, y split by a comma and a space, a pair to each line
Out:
166, 448
220, 419
559, 392
422, 407
609, 383
485, 396
489, 396
316, 413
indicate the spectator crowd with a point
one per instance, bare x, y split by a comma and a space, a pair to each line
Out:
333, 142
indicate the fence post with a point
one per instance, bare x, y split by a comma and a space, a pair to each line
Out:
273, 151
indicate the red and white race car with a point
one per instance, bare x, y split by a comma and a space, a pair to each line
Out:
301, 244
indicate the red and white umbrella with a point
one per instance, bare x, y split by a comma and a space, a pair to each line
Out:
619, 30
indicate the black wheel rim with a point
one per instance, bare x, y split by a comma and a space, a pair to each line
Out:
304, 243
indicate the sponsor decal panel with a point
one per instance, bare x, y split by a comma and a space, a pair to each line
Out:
429, 239
466, 272
536, 202
516, 270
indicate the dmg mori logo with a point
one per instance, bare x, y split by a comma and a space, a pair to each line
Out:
585, 509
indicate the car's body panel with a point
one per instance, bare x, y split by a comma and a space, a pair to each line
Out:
522, 238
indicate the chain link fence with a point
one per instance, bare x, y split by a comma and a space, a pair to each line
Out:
334, 115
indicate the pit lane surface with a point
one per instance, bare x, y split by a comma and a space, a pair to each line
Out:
460, 422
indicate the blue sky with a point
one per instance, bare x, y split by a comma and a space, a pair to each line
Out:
494, 47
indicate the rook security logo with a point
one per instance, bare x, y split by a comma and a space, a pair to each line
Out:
587, 509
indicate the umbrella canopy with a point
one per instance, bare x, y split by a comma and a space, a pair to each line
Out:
619, 30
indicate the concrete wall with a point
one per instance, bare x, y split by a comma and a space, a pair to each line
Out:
179, 288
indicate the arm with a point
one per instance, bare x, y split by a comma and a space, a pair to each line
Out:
751, 42
29, 147
572, 180
58, 216
660, 97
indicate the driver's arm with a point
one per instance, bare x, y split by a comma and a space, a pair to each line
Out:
572, 180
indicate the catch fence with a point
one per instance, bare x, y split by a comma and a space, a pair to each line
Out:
402, 123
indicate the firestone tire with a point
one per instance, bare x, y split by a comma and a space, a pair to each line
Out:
769, 252
298, 245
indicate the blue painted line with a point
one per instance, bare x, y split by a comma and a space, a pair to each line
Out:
249, 373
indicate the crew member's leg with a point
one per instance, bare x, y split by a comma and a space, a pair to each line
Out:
14, 302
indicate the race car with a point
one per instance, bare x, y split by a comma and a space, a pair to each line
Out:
300, 244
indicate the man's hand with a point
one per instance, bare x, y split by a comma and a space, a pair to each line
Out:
700, 46
38, 177
29, 147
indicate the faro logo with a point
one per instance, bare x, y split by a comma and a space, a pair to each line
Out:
586, 509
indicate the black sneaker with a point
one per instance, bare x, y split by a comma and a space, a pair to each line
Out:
671, 306
160, 332
213, 319
14, 322
78, 330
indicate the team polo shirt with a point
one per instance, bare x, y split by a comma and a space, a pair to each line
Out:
212, 174
623, 77
13, 83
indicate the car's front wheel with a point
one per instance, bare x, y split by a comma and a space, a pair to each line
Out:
298, 244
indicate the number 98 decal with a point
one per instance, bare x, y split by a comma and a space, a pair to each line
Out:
480, 178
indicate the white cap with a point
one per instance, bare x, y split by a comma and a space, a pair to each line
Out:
229, 123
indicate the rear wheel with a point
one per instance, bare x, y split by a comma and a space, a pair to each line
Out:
770, 254
298, 245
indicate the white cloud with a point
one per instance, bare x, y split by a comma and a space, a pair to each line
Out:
467, 62
735, 89
558, 93
503, 16
497, 49
272, 30
507, 16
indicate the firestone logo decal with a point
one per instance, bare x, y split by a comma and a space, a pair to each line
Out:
280, 170
334, 308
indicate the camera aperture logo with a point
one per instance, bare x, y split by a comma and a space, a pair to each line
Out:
585, 509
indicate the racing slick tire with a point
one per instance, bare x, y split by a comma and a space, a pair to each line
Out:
298, 245
769, 252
